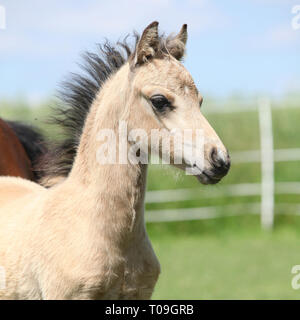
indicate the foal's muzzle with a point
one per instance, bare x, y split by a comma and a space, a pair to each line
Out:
220, 165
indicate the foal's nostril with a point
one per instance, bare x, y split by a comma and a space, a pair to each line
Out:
217, 158
214, 155
220, 161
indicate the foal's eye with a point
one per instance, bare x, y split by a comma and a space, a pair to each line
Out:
160, 102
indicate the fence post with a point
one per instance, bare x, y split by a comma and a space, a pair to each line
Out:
267, 163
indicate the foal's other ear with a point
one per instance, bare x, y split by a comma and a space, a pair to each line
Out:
148, 44
176, 46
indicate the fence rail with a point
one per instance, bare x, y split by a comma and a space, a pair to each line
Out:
280, 155
202, 213
267, 188
233, 190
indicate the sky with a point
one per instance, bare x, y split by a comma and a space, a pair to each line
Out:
235, 47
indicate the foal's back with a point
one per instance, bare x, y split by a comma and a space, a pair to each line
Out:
13, 189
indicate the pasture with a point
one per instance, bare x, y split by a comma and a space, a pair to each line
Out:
228, 257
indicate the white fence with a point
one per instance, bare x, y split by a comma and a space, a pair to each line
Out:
266, 189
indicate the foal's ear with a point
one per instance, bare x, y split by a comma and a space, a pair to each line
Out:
176, 46
148, 44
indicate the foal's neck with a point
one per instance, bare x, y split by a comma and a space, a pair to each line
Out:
116, 191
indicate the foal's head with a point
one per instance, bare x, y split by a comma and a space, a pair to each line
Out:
151, 90
164, 96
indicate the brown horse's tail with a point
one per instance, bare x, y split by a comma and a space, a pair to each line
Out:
33, 142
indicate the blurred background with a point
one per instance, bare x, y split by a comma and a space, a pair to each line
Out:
244, 57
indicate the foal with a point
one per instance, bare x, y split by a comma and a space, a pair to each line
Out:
85, 237
21, 146
13, 158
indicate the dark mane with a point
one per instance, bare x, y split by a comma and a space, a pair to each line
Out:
76, 97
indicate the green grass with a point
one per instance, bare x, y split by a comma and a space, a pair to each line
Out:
235, 261
38, 116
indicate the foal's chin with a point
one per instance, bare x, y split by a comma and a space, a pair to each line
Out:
206, 176
206, 179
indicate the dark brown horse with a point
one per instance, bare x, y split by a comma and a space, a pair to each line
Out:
20, 148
